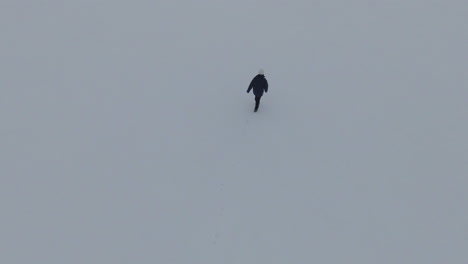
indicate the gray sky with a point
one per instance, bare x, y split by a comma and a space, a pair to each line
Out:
127, 135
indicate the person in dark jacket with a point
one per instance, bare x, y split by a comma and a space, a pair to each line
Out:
259, 84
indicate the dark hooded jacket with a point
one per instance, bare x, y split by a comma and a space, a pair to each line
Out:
259, 84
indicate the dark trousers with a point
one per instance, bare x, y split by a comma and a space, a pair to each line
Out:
257, 102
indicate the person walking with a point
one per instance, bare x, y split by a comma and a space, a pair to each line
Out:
259, 85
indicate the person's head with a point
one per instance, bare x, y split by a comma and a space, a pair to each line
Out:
261, 72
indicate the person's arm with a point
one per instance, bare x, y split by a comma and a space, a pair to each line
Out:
251, 85
266, 86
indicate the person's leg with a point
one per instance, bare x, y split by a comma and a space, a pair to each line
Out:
257, 102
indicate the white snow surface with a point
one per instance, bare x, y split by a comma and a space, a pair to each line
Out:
127, 135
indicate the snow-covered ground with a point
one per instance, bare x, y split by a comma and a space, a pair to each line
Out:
127, 136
